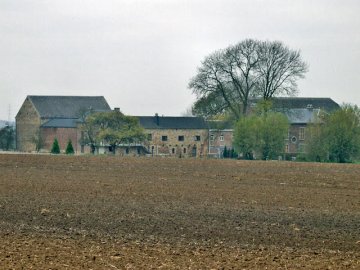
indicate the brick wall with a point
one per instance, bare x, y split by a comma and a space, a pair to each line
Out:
219, 139
295, 143
63, 135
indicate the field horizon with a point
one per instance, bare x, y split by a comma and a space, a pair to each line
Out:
105, 212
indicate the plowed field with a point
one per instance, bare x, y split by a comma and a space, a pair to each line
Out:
60, 212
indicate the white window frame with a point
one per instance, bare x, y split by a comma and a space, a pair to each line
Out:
302, 133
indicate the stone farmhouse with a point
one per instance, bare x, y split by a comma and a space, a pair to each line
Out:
50, 117
175, 136
44, 118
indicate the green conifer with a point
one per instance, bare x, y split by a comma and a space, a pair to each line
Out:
55, 149
69, 148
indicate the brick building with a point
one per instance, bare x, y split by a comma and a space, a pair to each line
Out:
44, 118
220, 137
175, 136
301, 112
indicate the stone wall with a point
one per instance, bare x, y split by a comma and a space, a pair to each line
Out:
178, 143
27, 127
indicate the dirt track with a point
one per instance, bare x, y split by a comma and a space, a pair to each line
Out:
64, 212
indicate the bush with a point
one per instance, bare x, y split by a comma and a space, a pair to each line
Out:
261, 134
55, 149
69, 148
7, 138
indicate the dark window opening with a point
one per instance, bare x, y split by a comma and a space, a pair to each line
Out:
197, 138
164, 138
181, 138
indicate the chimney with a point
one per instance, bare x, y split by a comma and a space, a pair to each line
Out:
157, 119
117, 109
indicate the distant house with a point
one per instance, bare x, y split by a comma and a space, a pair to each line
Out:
220, 137
301, 112
175, 136
41, 119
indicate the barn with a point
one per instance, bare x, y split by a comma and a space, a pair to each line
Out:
41, 119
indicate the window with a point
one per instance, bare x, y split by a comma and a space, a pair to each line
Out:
293, 139
212, 137
164, 138
173, 150
302, 133
286, 148
197, 138
184, 150
221, 138
149, 137
181, 138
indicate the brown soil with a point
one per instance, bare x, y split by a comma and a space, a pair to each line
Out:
60, 212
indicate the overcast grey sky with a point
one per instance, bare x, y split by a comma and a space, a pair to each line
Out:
140, 54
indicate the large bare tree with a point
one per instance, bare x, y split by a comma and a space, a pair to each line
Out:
278, 70
228, 78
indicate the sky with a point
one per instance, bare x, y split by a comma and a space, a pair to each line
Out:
141, 54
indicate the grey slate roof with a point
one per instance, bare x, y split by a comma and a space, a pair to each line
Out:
67, 106
219, 124
172, 122
302, 116
60, 123
326, 104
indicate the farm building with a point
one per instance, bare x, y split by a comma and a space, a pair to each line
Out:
220, 137
41, 119
301, 112
175, 136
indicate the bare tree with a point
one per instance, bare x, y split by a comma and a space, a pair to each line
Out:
227, 79
212, 83
278, 69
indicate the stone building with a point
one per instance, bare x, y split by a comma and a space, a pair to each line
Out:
175, 136
41, 119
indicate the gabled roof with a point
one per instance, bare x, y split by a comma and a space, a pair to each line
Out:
67, 106
172, 122
326, 104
